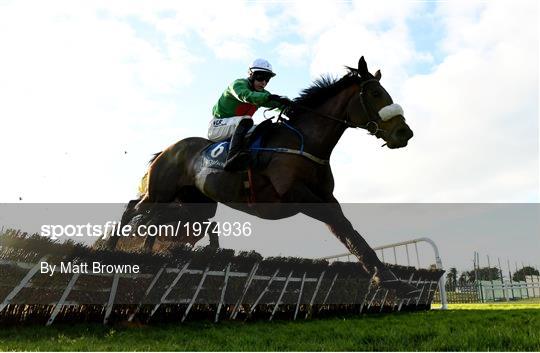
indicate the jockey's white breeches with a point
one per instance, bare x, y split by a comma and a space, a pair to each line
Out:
221, 129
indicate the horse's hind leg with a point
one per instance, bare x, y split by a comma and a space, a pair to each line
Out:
213, 236
171, 180
128, 214
164, 176
190, 206
202, 208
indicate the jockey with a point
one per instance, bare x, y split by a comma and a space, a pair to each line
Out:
232, 114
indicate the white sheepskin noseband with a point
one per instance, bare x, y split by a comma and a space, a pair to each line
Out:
390, 111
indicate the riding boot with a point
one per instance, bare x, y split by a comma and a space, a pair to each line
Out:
238, 156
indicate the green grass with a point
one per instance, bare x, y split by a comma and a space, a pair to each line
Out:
532, 303
452, 330
494, 306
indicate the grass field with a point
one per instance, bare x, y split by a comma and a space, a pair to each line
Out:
531, 303
497, 327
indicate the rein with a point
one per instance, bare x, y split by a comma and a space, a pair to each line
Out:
371, 126
300, 152
303, 107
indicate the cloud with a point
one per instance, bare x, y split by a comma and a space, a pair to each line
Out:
377, 31
81, 81
474, 117
309, 20
293, 54
233, 50
77, 89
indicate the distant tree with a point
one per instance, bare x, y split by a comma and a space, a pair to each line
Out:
451, 277
488, 274
519, 275
464, 278
484, 274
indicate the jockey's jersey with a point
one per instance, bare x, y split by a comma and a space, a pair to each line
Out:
241, 99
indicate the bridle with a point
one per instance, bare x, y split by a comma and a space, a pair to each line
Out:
372, 125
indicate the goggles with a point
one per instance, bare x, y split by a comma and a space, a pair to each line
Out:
262, 76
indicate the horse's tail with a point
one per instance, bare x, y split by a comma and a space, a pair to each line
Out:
172, 170
156, 155
143, 185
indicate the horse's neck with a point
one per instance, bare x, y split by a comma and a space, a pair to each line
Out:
322, 134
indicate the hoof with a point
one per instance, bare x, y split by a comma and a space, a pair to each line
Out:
388, 280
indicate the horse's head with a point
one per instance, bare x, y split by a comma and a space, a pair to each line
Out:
373, 109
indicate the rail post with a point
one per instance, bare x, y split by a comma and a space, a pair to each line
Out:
442, 280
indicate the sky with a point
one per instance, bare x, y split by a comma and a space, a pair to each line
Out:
90, 90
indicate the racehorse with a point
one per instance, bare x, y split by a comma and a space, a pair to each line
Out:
291, 180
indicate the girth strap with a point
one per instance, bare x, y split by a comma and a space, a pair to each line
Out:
291, 151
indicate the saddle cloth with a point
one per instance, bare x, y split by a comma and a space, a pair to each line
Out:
215, 155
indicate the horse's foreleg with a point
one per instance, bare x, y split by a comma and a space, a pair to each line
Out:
128, 214
339, 225
332, 215
328, 210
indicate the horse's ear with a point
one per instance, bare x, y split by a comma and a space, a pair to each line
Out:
378, 75
362, 67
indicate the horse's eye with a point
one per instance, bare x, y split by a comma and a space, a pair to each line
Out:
376, 93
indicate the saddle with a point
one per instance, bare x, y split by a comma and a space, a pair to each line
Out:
215, 155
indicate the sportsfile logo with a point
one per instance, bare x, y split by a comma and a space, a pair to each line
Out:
56, 231
113, 228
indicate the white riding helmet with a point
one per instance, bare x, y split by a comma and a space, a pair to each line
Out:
261, 65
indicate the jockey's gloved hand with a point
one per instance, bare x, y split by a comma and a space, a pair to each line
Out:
279, 99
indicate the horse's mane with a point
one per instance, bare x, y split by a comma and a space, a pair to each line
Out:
322, 89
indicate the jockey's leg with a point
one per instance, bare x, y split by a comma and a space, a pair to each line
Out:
238, 156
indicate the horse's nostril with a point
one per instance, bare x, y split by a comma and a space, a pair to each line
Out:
404, 134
